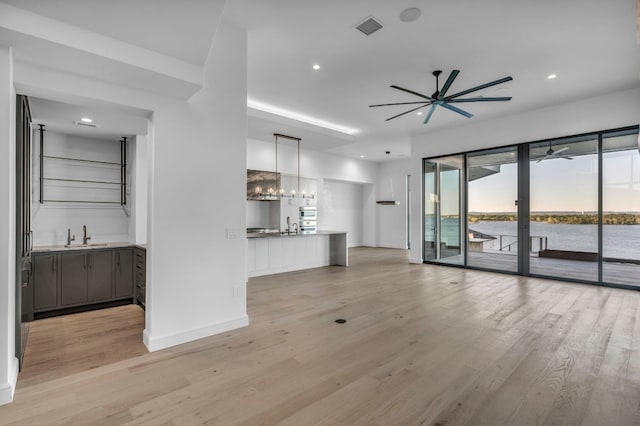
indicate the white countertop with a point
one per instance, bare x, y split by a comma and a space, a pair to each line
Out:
91, 246
280, 235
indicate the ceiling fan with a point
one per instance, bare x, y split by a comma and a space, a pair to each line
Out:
551, 153
439, 97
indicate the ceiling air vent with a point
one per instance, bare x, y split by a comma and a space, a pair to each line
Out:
80, 123
369, 26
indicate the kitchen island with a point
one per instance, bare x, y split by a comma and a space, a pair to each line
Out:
274, 252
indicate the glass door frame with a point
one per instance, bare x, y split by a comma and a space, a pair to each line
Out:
524, 206
462, 210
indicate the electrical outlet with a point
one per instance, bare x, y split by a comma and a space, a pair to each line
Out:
238, 292
233, 233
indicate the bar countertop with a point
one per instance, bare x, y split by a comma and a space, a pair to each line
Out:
284, 234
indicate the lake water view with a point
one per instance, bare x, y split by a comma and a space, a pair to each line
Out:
620, 241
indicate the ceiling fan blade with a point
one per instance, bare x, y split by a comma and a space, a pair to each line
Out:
412, 92
430, 113
560, 150
506, 98
448, 83
407, 112
482, 86
456, 109
397, 103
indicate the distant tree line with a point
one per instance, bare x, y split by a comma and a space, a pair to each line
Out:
571, 219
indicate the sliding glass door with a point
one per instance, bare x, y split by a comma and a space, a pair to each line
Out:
578, 217
563, 196
492, 240
443, 218
621, 209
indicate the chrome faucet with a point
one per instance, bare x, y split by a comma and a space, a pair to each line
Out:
288, 225
84, 235
295, 227
69, 237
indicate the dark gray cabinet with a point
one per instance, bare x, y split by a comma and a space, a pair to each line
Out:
74, 278
123, 273
99, 275
45, 282
85, 277
140, 275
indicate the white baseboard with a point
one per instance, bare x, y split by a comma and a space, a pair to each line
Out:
155, 343
414, 260
8, 389
392, 246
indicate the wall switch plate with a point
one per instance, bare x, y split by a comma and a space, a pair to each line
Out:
233, 233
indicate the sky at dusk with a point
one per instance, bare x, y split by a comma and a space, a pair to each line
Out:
556, 185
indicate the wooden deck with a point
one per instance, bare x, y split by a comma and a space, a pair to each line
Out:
614, 273
423, 345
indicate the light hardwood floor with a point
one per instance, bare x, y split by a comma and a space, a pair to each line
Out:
64, 345
423, 344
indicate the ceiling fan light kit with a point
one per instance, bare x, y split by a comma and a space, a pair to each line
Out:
440, 97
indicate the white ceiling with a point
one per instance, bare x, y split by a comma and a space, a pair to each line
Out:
590, 44
110, 122
181, 29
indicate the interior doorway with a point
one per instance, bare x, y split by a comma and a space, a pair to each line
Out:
81, 205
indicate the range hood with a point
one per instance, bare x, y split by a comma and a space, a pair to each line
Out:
389, 201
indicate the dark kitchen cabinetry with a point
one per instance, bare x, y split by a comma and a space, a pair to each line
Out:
99, 275
85, 277
123, 273
140, 275
73, 279
45, 282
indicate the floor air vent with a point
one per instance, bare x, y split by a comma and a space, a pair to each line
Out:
369, 26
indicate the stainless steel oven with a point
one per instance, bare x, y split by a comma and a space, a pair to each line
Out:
308, 220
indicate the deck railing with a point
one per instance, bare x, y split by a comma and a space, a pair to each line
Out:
541, 243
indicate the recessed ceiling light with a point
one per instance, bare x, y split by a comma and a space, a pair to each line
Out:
551, 76
300, 117
361, 156
86, 120
316, 67
410, 14
419, 113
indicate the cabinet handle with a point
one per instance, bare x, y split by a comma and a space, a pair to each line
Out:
118, 259
84, 261
53, 263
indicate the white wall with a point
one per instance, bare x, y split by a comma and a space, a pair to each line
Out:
197, 201
340, 208
8, 361
391, 221
614, 110
139, 190
259, 215
313, 164
50, 221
